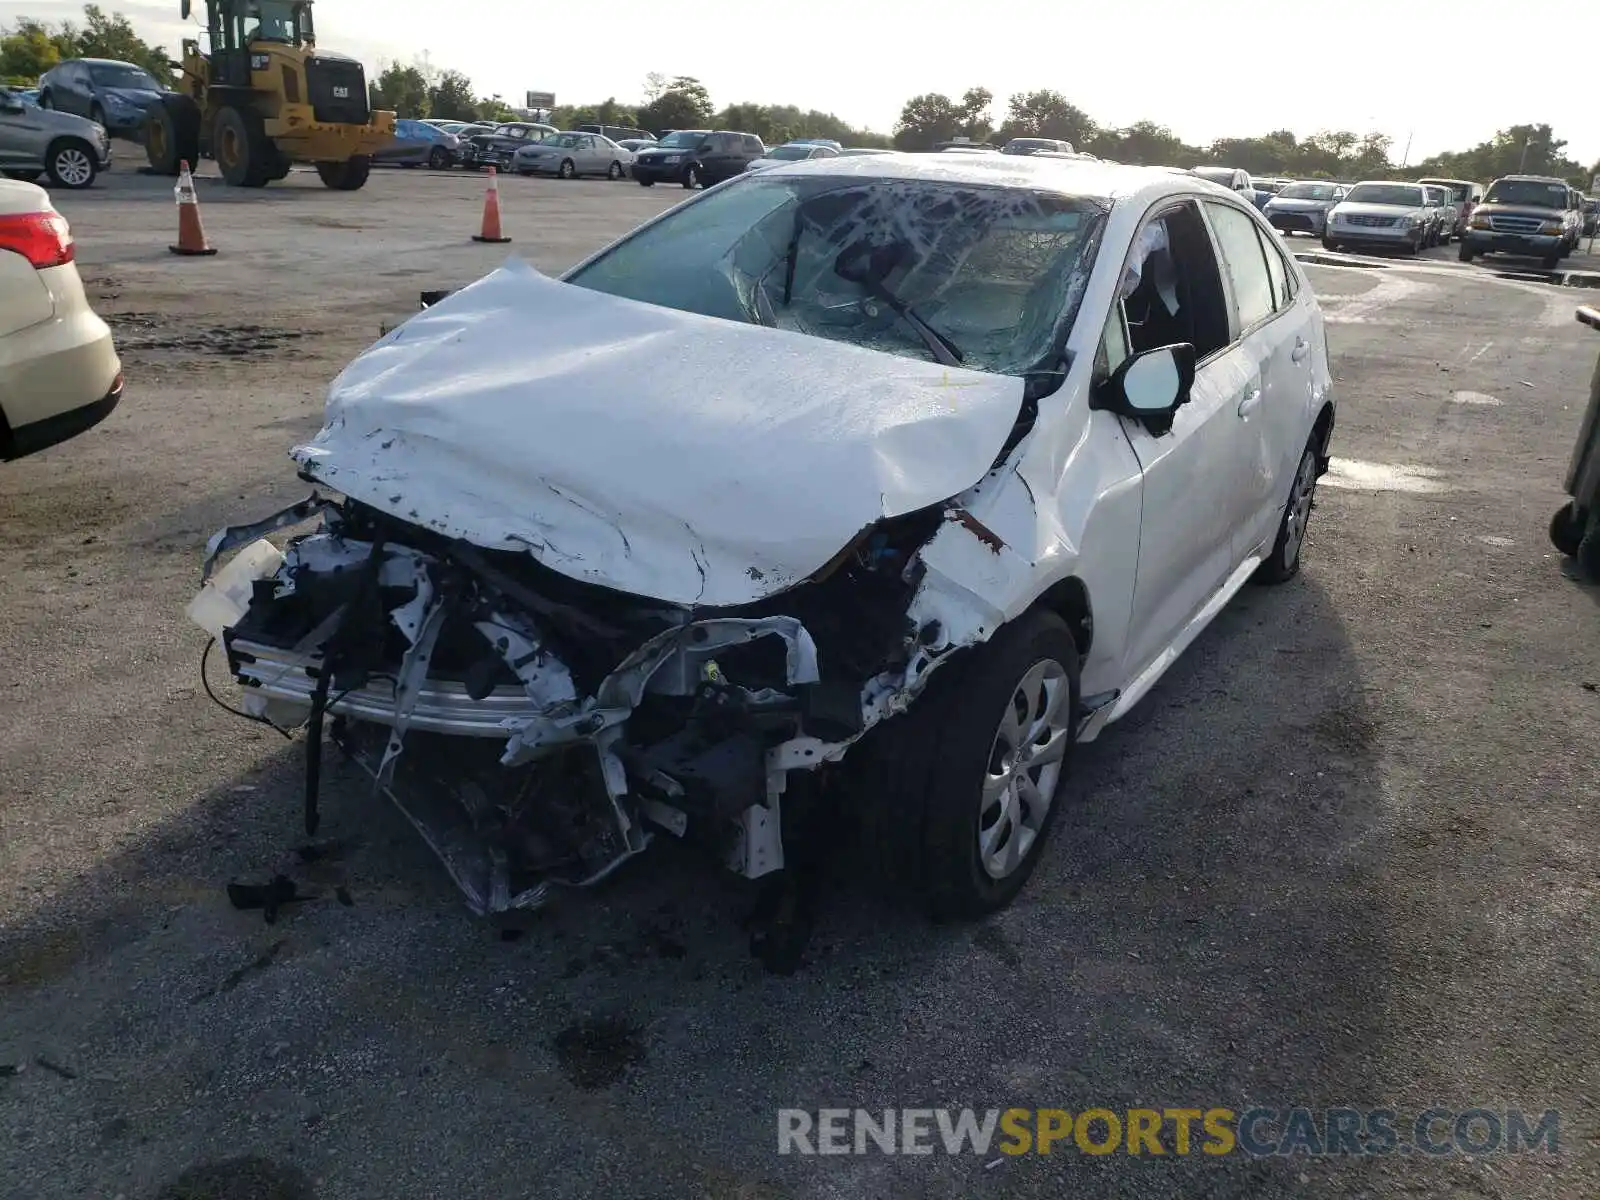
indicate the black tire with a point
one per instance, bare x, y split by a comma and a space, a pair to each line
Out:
439, 159
647, 183
925, 772
1466, 253
22, 176
409, 165
348, 176
1283, 563
280, 165
1588, 554
1567, 528
614, 171
70, 163
568, 169
172, 134
691, 177
1551, 261
1329, 244
239, 144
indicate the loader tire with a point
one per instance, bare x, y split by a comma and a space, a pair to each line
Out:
172, 134
244, 154
347, 176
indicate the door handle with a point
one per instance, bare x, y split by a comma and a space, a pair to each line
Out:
1251, 399
1301, 349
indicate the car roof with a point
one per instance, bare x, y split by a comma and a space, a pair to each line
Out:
1070, 177
100, 62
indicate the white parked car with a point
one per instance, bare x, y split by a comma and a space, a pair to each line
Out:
1378, 213
791, 152
951, 458
59, 373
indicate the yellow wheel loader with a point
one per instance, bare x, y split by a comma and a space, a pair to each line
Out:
265, 97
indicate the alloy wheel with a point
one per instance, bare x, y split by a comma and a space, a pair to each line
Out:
73, 167
1024, 767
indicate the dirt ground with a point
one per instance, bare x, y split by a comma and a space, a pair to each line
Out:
1344, 854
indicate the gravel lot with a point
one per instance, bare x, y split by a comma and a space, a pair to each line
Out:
1345, 853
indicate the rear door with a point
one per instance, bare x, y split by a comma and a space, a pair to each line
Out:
1273, 333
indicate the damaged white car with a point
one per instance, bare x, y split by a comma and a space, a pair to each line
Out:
928, 469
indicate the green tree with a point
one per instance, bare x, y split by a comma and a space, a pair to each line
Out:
683, 103
1145, 143
111, 36
402, 89
494, 108
450, 98
30, 50
932, 117
1046, 114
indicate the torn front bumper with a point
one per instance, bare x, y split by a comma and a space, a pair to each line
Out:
530, 739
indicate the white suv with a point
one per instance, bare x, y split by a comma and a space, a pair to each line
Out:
59, 372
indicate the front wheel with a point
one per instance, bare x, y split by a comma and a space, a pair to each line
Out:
1551, 260
1329, 244
647, 183
1283, 563
439, 159
691, 178
1567, 528
568, 169
70, 164
614, 171
971, 773
347, 176
1466, 253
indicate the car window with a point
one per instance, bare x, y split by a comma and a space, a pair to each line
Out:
752, 144
1244, 262
1277, 269
1171, 287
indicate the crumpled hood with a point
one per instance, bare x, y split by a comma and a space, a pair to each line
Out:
658, 452
135, 96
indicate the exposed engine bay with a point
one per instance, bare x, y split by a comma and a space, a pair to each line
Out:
537, 730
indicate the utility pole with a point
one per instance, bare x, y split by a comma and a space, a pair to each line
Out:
1522, 163
1405, 156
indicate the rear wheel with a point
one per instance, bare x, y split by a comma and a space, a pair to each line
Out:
1283, 563
172, 134
347, 176
244, 155
70, 163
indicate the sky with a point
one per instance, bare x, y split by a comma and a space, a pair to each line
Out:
1222, 69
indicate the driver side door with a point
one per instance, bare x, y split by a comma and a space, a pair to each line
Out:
1191, 501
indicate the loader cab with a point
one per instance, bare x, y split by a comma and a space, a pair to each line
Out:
233, 26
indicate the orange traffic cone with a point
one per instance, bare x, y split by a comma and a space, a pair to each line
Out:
191, 237
491, 213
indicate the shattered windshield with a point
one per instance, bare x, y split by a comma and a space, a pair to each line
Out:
987, 277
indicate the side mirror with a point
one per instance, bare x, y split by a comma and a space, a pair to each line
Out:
1150, 386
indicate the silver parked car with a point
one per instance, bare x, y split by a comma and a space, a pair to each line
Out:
568, 155
1444, 214
791, 152
1379, 213
33, 141
1303, 207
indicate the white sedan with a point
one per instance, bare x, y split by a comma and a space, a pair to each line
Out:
791, 152
59, 373
951, 459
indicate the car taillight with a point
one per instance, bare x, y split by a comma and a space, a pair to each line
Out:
43, 238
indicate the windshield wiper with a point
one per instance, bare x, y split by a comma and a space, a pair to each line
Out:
866, 265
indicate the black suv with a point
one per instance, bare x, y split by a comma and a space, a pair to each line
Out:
696, 156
